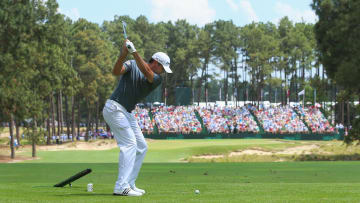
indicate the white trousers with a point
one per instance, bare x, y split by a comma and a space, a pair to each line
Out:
131, 141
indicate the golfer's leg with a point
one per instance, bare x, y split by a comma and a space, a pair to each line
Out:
127, 143
126, 140
141, 149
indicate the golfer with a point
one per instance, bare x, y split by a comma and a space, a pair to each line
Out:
137, 80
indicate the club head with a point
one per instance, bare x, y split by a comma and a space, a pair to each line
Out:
124, 23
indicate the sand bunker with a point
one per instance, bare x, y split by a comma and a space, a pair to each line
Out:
306, 149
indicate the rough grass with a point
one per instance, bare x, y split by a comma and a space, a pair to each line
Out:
3, 141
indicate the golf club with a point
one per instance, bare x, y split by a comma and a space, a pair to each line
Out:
124, 29
73, 178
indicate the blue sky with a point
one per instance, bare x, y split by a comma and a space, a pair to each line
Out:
198, 12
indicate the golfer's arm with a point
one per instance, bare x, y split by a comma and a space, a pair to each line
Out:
119, 68
144, 67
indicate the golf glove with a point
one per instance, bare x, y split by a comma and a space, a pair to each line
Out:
130, 46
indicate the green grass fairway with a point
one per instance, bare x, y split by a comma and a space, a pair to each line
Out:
167, 178
176, 182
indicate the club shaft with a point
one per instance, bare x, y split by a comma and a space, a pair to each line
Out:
124, 29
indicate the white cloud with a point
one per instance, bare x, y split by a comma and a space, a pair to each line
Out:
247, 9
194, 11
294, 14
73, 13
232, 5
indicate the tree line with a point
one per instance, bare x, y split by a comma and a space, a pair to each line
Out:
55, 69
337, 34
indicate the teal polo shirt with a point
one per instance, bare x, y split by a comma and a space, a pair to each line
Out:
133, 86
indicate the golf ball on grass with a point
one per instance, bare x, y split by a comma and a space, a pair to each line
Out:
197, 191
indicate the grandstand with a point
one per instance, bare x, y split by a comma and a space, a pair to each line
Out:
176, 119
280, 119
245, 121
227, 119
144, 121
316, 120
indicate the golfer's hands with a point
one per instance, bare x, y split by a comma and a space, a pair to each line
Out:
130, 46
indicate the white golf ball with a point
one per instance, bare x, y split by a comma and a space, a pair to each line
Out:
197, 192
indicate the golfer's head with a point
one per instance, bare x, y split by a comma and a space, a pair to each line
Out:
163, 61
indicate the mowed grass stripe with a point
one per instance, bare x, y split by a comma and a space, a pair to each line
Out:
176, 182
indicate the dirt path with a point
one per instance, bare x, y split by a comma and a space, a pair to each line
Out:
7, 159
2, 135
96, 145
80, 145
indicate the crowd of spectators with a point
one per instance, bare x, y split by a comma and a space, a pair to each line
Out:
279, 119
227, 119
176, 119
315, 120
143, 118
244, 121
216, 119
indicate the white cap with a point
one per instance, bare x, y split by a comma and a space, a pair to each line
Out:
163, 59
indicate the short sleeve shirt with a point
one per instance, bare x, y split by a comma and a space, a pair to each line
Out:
133, 86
